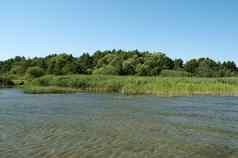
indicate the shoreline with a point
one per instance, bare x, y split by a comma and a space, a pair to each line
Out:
66, 90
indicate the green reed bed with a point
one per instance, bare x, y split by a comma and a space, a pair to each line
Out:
46, 90
131, 85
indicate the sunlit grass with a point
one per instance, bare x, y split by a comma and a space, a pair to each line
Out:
131, 85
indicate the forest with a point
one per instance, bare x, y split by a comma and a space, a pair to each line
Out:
116, 62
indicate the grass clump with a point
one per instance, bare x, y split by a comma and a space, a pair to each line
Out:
174, 73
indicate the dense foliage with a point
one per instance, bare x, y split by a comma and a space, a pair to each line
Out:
116, 62
5, 82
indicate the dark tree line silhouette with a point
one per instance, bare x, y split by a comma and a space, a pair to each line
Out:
116, 62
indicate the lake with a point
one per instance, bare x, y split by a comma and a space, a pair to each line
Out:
87, 125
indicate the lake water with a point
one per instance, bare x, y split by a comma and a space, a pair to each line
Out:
88, 125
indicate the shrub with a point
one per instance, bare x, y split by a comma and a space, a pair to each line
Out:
107, 70
34, 72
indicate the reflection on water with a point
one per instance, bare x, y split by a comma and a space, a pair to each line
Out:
114, 126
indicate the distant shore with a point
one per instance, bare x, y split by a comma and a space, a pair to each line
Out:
133, 85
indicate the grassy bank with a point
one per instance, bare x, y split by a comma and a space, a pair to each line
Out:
131, 85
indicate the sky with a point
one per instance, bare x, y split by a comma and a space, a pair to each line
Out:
180, 28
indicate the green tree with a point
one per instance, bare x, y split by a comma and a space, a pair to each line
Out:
118, 62
56, 63
178, 64
143, 70
85, 63
156, 62
18, 70
107, 70
230, 65
109, 61
129, 66
34, 72
191, 66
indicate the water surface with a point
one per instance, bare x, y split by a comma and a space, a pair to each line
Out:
115, 126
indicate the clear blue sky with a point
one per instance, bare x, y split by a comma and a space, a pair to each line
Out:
179, 28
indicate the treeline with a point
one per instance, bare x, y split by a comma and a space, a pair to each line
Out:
116, 62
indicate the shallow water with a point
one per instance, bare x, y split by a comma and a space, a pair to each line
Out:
115, 126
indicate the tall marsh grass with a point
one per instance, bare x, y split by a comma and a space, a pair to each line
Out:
168, 86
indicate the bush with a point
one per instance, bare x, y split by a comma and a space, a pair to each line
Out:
34, 72
107, 70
